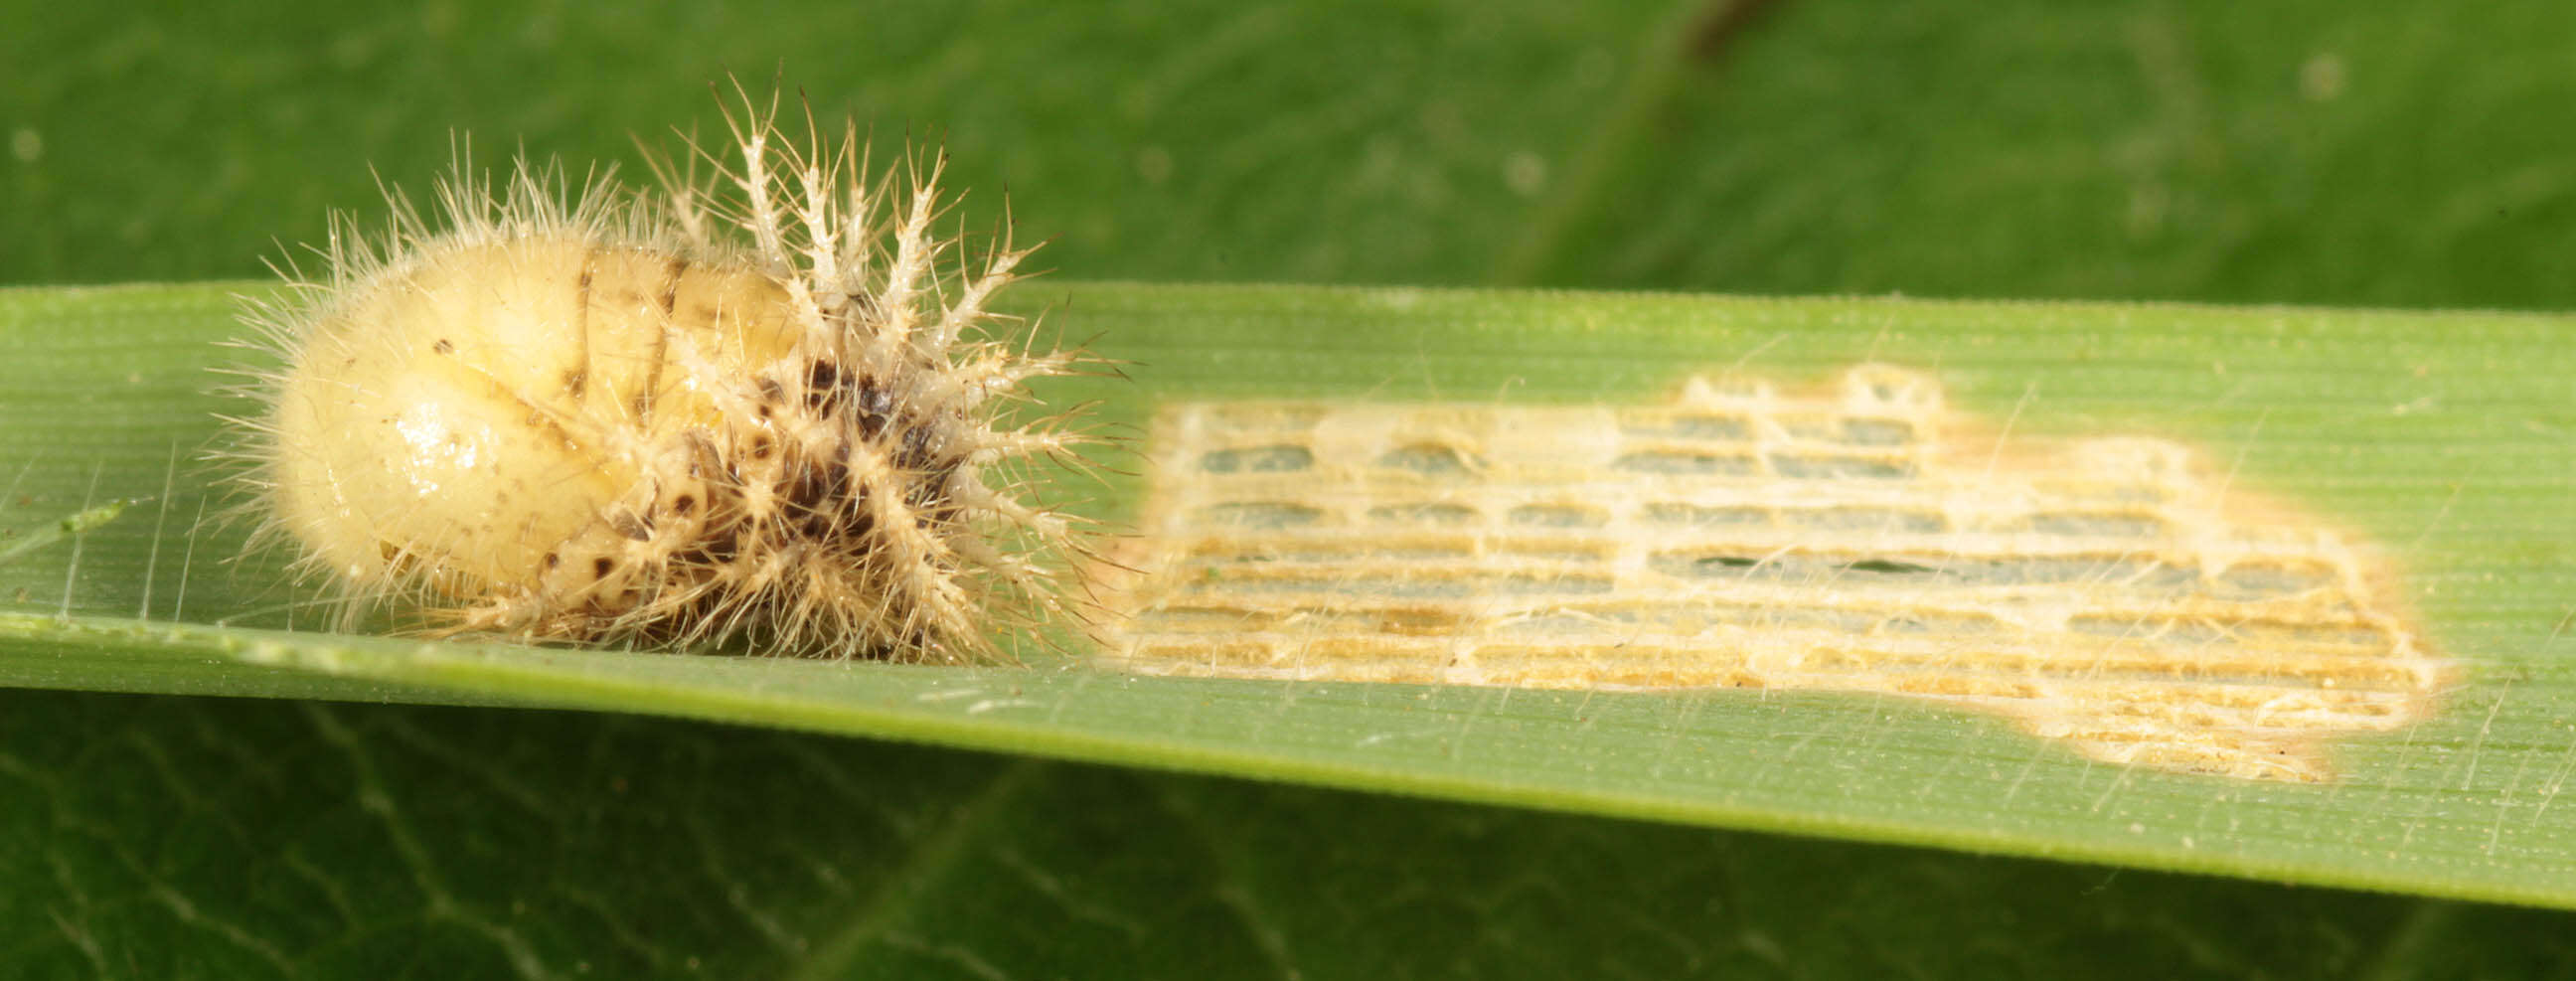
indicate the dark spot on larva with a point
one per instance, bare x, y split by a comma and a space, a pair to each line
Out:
876, 407
443, 346
578, 378
602, 567
553, 560
683, 504
916, 455
823, 388
762, 446
671, 284
632, 527
400, 562
815, 491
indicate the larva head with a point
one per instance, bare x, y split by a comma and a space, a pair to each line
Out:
741, 413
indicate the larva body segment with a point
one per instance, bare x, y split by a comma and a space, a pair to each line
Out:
603, 422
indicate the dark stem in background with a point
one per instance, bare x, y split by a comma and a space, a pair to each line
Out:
1699, 33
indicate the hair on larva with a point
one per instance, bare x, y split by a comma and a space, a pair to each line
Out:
760, 412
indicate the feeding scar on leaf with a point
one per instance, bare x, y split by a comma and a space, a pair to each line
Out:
2111, 593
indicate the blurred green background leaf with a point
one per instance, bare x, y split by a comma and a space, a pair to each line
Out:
2307, 152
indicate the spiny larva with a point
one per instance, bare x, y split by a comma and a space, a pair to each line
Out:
752, 411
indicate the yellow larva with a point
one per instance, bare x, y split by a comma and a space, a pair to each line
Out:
611, 421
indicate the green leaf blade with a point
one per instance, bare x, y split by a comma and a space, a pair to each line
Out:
2355, 415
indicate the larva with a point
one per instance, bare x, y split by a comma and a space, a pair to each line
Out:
751, 411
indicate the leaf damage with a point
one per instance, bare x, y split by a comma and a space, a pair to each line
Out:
2108, 592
